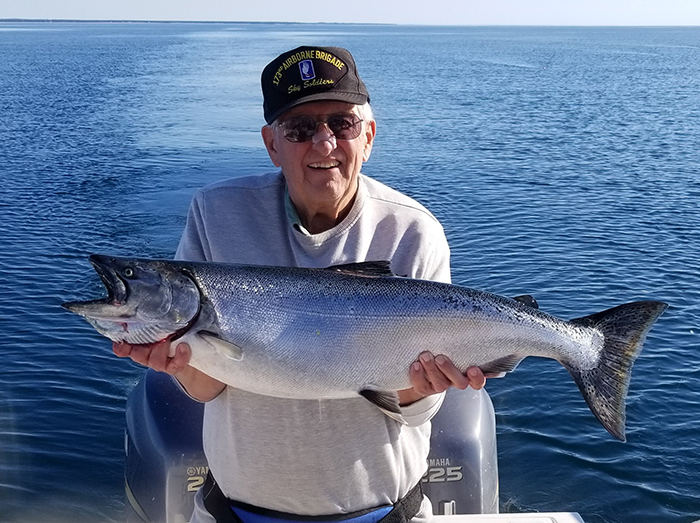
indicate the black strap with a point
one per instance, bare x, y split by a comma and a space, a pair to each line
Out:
216, 503
219, 506
406, 508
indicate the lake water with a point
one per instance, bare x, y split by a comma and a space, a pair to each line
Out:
563, 162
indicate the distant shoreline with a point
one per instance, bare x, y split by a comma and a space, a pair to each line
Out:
70, 20
358, 24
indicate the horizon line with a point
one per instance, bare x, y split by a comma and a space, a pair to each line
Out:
146, 21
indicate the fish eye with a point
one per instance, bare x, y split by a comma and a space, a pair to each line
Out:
129, 272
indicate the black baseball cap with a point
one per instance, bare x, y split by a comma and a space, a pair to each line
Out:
307, 74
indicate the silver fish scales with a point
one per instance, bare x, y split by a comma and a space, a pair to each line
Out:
355, 329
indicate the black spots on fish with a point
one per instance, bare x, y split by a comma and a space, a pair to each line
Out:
605, 386
477, 308
457, 303
453, 300
329, 286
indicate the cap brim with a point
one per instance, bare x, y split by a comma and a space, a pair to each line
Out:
330, 96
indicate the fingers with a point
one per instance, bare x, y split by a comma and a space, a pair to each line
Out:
426, 377
421, 382
434, 372
177, 363
123, 350
457, 379
156, 355
477, 380
430, 375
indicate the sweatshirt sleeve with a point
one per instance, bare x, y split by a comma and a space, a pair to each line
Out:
193, 244
437, 265
422, 410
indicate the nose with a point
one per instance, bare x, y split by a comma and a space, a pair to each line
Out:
323, 137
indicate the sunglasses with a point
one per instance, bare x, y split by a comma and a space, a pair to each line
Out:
344, 126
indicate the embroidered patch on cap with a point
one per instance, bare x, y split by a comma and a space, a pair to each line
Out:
306, 67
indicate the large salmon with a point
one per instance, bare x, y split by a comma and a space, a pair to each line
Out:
355, 329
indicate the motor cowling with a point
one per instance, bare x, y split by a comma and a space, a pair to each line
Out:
165, 463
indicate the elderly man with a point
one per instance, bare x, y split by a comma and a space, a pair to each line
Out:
333, 459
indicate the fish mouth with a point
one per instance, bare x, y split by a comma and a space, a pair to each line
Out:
117, 291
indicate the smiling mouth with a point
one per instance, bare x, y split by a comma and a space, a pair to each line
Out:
331, 164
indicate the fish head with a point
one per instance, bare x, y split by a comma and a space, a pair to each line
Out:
147, 300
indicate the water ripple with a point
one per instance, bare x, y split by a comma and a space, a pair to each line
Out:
561, 161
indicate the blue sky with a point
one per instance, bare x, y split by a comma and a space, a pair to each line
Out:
441, 12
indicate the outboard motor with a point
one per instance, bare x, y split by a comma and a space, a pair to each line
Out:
165, 463
462, 475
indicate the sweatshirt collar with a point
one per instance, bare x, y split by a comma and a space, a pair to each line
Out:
295, 220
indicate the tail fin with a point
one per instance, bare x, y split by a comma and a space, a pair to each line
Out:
604, 387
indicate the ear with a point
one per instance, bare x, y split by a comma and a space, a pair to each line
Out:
370, 133
268, 136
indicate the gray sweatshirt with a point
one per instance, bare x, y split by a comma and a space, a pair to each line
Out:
305, 456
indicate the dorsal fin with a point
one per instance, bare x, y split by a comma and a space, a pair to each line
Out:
369, 268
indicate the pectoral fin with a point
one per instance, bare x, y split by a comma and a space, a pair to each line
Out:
222, 346
386, 401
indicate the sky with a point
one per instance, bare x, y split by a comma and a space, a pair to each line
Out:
423, 12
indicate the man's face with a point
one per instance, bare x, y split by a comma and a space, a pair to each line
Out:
321, 173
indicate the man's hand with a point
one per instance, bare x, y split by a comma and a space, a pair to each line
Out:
434, 374
155, 355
